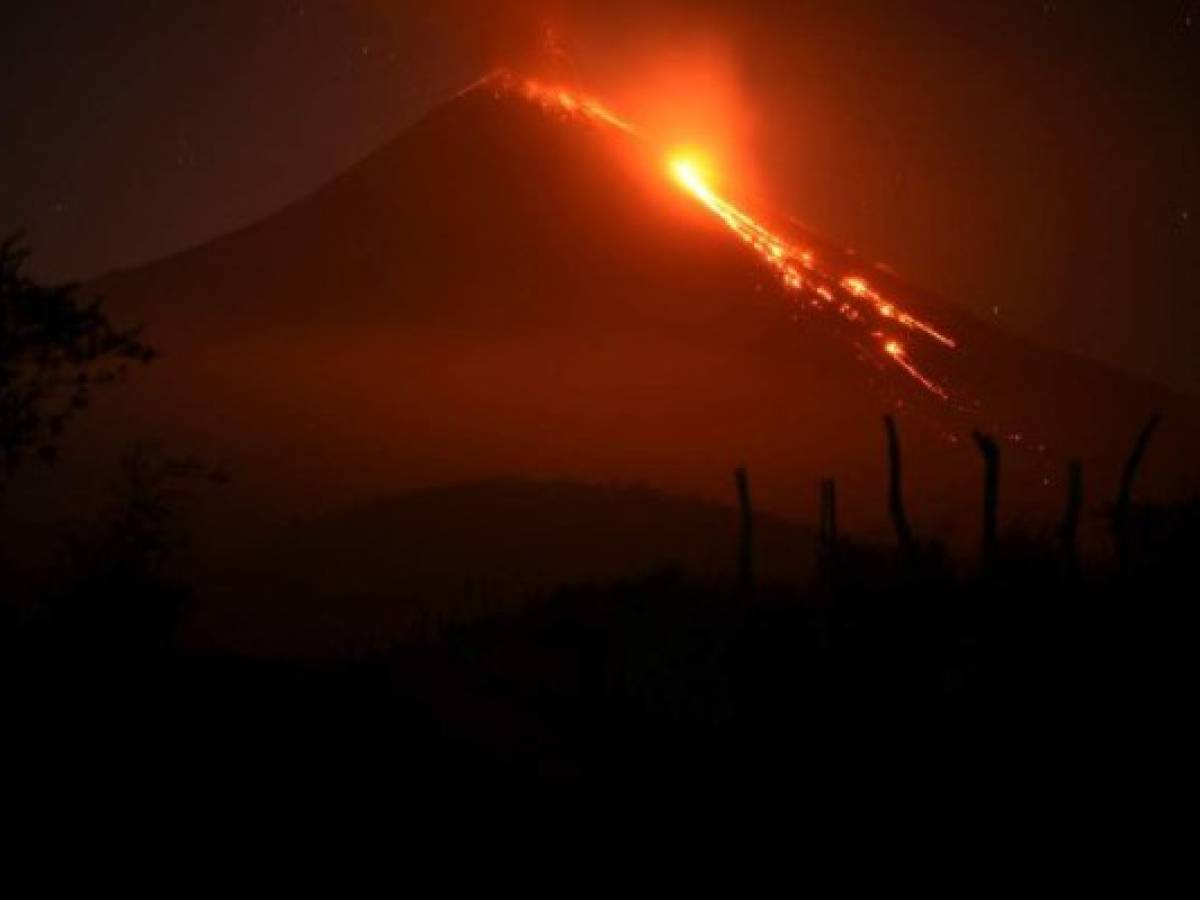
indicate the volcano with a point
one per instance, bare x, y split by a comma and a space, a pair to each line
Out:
509, 289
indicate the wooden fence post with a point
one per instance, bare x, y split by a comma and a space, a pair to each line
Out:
904, 535
1068, 531
829, 521
1124, 503
990, 451
745, 533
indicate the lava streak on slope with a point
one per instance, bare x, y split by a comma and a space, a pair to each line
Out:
844, 293
567, 102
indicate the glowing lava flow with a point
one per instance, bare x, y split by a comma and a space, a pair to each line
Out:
777, 254
788, 262
850, 296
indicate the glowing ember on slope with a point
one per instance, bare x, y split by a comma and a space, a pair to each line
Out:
896, 351
862, 290
850, 296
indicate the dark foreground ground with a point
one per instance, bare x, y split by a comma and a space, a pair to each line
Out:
1024, 675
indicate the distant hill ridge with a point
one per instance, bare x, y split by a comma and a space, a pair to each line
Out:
365, 576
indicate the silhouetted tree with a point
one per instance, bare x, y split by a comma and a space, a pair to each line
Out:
115, 589
54, 348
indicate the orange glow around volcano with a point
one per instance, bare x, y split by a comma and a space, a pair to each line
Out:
848, 295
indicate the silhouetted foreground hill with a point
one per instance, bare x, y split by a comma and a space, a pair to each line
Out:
1031, 684
370, 576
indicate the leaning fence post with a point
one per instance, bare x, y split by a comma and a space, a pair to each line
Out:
904, 535
991, 488
1125, 494
1068, 531
745, 533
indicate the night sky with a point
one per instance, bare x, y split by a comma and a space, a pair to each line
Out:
1037, 162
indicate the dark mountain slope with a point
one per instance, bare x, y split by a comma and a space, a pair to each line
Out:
503, 292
